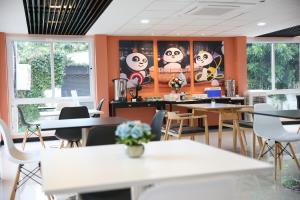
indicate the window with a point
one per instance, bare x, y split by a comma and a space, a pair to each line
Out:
273, 66
286, 65
259, 66
43, 73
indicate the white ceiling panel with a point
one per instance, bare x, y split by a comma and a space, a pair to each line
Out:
176, 16
12, 17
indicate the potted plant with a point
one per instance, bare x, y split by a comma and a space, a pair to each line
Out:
176, 84
133, 134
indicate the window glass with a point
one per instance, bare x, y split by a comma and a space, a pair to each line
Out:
259, 66
286, 65
72, 68
32, 69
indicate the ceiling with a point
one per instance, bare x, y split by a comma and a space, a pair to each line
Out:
62, 17
288, 32
177, 17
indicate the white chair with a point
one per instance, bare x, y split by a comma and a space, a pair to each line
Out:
272, 130
217, 188
20, 158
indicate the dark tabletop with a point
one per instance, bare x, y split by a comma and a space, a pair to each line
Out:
80, 123
290, 114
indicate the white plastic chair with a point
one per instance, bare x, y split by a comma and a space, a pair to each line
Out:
271, 129
20, 158
209, 189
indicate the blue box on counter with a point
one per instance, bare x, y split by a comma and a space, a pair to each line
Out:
213, 92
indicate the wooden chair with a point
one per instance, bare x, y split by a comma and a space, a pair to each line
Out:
244, 126
229, 118
185, 131
31, 129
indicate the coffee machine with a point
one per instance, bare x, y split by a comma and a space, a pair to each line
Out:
120, 87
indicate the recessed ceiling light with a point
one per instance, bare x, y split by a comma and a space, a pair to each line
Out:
261, 23
145, 21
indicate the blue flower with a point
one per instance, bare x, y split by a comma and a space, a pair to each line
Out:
136, 132
146, 127
123, 130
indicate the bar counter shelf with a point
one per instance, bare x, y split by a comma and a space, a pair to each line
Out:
162, 104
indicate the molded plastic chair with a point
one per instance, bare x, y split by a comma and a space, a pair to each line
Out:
104, 135
271, 129
20, 158
157, 124
72, 135
208, 189
99, 107
31, 129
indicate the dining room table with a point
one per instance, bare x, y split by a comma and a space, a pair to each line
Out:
225, 112
55, 113
84, 123
108, 167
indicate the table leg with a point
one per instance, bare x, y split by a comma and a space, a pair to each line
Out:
137, 190
238, 131
220, 130
84, 132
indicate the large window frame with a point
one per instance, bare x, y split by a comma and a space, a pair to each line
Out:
13, 100
274, 41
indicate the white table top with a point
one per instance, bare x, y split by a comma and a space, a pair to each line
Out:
107, 167
57, 112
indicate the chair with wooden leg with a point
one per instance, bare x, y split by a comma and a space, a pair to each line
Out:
72, 135
21, 159
229, 118
246, 125
277, 139
186, 131
30, 130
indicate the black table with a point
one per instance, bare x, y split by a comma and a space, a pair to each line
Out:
289, 114
83, 123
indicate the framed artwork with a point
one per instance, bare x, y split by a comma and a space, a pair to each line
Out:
208, 61
173, 61
136, 58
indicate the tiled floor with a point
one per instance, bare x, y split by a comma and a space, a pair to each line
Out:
247, 187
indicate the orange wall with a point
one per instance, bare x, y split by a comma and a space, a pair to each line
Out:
4, 105
235, 67
235, 60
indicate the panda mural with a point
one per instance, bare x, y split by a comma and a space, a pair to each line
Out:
209, 61
136, 57
173, 61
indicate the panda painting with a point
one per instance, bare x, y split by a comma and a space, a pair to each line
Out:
173, 60
208, 61
135, 59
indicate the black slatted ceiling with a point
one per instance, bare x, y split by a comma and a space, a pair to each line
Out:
288, 32
62, 17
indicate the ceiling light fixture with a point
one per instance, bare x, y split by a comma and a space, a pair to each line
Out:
145, 21
261, 23
57, 7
